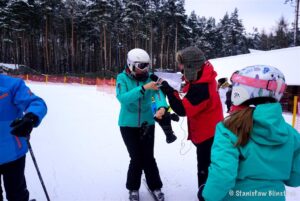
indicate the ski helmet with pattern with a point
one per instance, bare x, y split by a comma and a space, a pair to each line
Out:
257, 81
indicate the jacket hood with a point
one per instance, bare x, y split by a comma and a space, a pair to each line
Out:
208, 73
269, 127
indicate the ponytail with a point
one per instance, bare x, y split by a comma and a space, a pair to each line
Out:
241, 124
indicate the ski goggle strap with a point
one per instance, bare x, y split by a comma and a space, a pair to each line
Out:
271, 85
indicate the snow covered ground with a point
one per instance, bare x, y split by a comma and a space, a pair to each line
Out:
82, 157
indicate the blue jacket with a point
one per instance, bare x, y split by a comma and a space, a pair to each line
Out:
136, 107
260, 169
16, 99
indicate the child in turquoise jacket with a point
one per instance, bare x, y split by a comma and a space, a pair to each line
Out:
255, 152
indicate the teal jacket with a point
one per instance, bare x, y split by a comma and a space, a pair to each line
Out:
259, 170
136, 106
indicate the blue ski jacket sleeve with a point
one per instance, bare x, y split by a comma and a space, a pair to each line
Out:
26, 101
16, 99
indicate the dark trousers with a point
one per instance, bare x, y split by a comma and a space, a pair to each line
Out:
14, 180
140, 147
203, 159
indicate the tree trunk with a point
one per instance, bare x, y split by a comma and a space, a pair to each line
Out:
66, 47
46, 46
105, 50
176, 46
16, 51
23, 48
162, 47
72, 42
109, 52
151, 45
168, 47
100, 51
296, 22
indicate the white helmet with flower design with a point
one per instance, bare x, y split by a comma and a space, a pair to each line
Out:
257, 81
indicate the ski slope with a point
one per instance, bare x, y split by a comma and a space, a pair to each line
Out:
82, 157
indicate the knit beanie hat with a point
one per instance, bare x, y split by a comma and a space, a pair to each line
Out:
192, 59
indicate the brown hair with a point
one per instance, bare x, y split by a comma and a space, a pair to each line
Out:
241, 124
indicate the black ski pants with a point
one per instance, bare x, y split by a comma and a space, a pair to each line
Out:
14, 180
203, 160
140, 146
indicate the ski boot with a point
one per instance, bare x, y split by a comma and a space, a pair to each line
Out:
158, 195
134, 195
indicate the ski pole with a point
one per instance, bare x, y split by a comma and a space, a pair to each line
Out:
37, 169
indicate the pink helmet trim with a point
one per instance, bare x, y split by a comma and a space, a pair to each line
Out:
257, 83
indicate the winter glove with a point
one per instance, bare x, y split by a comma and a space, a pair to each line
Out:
174, 117
165, 124
165, 87
23, 127
199, 194
154, 77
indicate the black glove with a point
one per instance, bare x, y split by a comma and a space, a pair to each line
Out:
165, 87
165, 124
174, 117
153, 77
23, 127
199, 194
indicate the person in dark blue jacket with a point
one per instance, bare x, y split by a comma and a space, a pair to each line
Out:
20, 112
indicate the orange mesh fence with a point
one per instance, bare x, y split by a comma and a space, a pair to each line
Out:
106, 85
68, 79
102, 84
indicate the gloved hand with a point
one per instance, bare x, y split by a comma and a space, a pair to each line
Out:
165, 124
154, 77
23, 127
165, 87
174, 117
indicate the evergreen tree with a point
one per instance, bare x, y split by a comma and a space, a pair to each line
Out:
281, 39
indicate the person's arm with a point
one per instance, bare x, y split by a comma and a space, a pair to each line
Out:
294, 179
173, 96
196, 99
176, 103
26, 101
224, 165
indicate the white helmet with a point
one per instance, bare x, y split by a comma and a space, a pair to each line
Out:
257, 81
138, 58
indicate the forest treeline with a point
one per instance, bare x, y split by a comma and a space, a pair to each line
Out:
88, 36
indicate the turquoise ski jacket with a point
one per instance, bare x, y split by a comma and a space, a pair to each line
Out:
136, 106
16, 99
259, 170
